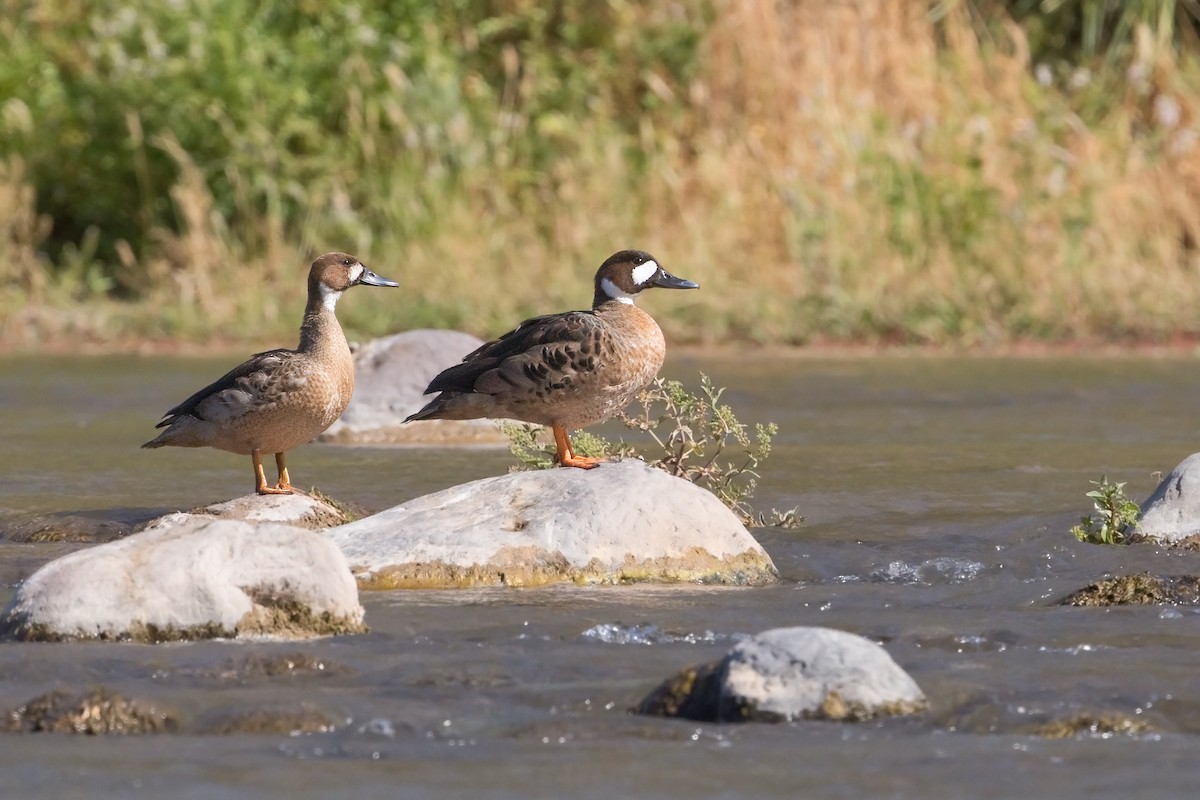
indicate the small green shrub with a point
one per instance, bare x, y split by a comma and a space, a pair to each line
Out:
696, 437
1115, 518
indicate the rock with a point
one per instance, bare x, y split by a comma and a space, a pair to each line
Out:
282, 722
299, 510
791, 673
94, 712
191, 578
621, 522
1141, 589
1172, 513
390, 379
1087, 724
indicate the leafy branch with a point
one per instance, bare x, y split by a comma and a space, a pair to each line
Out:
1116, 515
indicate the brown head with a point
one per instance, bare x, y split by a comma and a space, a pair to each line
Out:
334, 273
628, 272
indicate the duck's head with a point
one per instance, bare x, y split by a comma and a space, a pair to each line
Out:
628, 272
334, 273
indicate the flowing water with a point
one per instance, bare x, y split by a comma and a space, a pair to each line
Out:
938, 494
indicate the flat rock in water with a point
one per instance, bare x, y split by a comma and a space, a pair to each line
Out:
791, 673
1172, 513
390, 379
621, 522
192, 578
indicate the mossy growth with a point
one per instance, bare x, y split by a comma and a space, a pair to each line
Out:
1140, 589
1086, 724
272, 666
523, 567
692, 693
278, 613
285, 722
350, 512
696, 437
695, 693
93, 712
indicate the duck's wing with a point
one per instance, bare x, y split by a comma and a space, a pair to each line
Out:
528, 355
257, 382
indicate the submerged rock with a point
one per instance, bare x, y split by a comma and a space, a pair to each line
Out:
621, 522
94, 712
273, 721
1141, 589
390, 379
1086, 724
791, 673
193, 578
1172, 513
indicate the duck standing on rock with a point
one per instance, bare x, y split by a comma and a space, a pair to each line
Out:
566, 370
282, 398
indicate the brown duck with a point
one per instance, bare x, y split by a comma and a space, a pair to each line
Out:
566, 370
282, 398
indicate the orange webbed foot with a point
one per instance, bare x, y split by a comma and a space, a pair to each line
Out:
582, 462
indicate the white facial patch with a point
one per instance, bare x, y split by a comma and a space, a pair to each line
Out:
356, 272
329, 297
612, 291
645, 272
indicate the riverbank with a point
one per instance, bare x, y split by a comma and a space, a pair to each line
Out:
974, 182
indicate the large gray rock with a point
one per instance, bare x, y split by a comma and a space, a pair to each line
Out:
791, 673
1172, 513
192, 578
621, 522
390, 376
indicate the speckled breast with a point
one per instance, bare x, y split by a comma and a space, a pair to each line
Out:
631, 352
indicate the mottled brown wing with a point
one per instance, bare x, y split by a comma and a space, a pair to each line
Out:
518, 356
234, 390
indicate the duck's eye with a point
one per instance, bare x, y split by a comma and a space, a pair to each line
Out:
346, 262
639, 260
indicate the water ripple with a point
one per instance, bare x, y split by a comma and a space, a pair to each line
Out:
650, 634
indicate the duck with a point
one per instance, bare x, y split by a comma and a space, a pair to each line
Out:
280, 399
568, 370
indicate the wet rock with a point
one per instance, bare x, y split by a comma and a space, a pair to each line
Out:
284, 722
1141, 589
1086, 724
76, 526
1172, 513
621, 522
791, 673
196, 578
97, 711
271, 666
390, 379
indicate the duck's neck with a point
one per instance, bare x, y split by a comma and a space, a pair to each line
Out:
320, 331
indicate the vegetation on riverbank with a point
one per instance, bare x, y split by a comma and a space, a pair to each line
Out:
964, 173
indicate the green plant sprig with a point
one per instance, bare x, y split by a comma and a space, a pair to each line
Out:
696, 437
1116, 515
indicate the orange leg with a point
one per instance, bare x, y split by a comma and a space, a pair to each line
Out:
260, 480
566, 457
285, 483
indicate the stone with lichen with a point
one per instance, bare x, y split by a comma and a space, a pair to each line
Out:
790, 673
197, 578
622, 522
